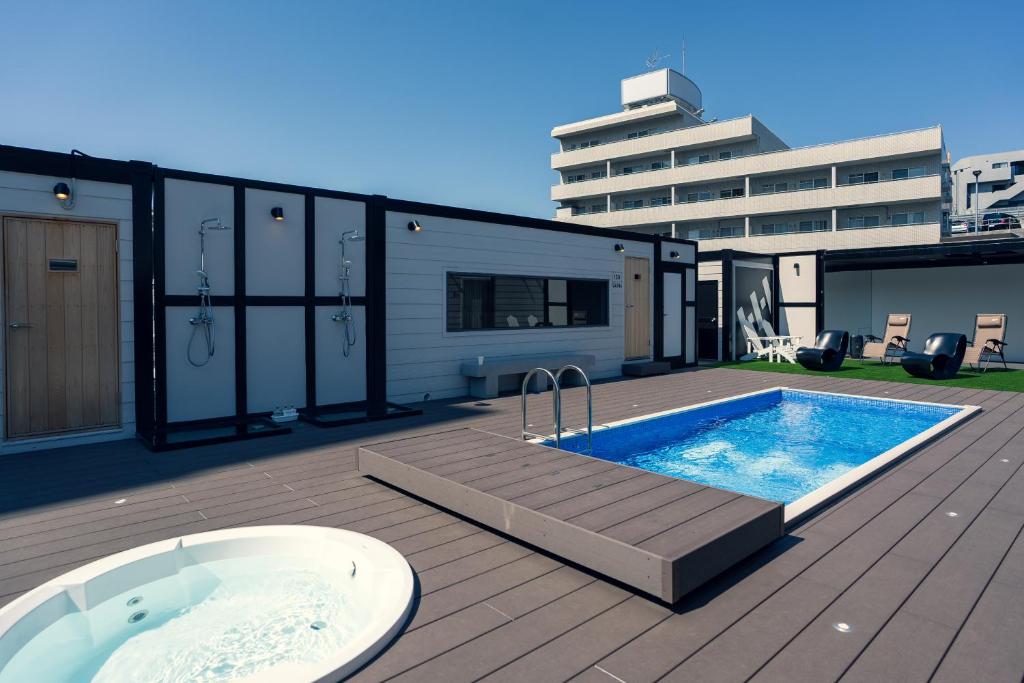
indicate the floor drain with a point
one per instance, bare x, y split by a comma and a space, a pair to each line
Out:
842, 627
318, 625
138, 616
134, 601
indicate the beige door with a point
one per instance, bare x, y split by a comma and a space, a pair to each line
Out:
637, 292
60, 326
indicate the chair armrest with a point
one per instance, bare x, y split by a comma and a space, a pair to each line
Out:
872, 338
996, 342
900, 341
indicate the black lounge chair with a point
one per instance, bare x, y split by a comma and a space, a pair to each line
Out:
828, 352
941, 359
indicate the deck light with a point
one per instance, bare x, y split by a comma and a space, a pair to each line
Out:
414, 226
278, 213
673, 254
842, 627
619, 248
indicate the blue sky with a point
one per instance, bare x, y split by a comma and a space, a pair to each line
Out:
453, 102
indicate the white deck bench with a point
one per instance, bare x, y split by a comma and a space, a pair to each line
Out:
483, 378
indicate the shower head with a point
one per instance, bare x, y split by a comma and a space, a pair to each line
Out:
352, 236
212, 224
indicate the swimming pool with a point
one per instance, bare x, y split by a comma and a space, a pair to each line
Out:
800, 448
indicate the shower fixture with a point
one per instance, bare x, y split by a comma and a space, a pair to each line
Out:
204, 317
345, 292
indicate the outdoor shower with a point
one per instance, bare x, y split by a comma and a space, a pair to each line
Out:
345, 292
204, 317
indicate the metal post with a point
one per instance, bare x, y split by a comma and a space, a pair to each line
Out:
977, 207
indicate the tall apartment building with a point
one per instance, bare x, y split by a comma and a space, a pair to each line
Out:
658, 167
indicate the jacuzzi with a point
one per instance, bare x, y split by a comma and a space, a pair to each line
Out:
270, 603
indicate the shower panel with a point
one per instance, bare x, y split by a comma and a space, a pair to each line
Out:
202, 323
344, 316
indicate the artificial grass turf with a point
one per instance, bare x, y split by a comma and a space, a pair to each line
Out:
995, 379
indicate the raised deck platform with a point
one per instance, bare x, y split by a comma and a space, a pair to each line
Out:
660, 535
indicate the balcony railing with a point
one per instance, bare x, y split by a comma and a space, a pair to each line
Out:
1008, 221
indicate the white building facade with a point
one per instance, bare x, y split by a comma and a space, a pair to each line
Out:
658, 167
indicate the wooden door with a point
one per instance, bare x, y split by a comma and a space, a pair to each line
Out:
637, 293
60, 326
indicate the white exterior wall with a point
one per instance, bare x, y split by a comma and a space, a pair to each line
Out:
32, 195
423, 357
940, 299
798, 285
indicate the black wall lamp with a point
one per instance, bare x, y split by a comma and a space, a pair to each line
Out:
278, 213
673, 254
414, 226
64, 193
619, 248
796, 267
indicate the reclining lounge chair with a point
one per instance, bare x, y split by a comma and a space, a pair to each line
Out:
989, 336
828, 352
941, 359
894, 343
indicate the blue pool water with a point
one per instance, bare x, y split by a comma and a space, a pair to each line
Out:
778, 445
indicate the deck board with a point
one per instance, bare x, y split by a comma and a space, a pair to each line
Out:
699, 530
495, 608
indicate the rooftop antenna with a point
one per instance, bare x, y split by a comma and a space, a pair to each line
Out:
654, 58
684, 58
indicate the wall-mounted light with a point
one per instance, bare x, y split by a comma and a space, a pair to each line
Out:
65, 194
277, 213
796, 267
619, 248
673, 254
414, 226
61, 191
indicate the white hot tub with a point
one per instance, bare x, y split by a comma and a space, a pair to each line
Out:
271, 603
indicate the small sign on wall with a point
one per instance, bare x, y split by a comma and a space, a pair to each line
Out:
616, 280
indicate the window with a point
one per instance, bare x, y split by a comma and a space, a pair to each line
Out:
728, 193
594, 175
768, 188
579, 210
798, 226
703, 196
661, 201
858, 178
698, 159
813, 183
722, 156
633, 204
483, 302
999, 164
691, 196
998, 187
908, 218
903, 173
658, 165
589, 143
598, 208
627, 170
862, 222
575, 178
638, 134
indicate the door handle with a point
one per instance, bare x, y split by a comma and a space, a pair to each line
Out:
16, 325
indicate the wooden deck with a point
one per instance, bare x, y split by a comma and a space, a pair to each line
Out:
660, 535
926, 595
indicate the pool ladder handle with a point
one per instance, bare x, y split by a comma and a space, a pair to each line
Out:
556, 405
